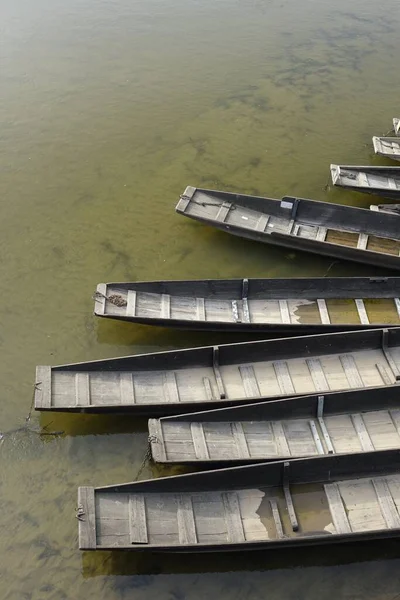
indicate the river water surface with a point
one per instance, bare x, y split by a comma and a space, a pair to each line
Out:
108, 110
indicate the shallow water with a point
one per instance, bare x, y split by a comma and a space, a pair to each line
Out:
108, 110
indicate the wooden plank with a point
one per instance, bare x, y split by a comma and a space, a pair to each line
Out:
233, 517
336, 507
240, 440
200, 309
385, 349
395, 416
397, 303
317, 439
100, 299
43, 387
362, 241
199, 441
277, 518
288, 497
351, 371
126, 387
323, 427
261, 223
185, 516
217, 373
82, 389
280, 438
86, 518
283, 377
137, 519
284, 310
235, 311
290, 227
165, 306
362, 312
321, 234
246, 311
323, 311
156, 439
386, 379
362, 433
317, 374
386, 502
250, 382
131, 304
208, 388
223, 212
170, 385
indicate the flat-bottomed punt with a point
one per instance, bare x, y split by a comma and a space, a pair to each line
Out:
314, 501
389, 147
190, 380
336, 423
303, 305
318, 227
381, 181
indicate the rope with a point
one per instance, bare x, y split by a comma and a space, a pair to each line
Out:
147, 456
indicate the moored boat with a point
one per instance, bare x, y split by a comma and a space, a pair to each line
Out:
189, 380
381, 181
313, 501
389, 147
303, 305
340, 422
319, 227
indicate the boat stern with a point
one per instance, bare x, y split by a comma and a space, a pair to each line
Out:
100, 297
85, 513
42, 392
335, 174
396, 126
185, 199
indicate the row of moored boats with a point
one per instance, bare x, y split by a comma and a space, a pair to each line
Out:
301, 435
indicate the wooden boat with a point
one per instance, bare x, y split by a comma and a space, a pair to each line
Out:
393, 209
396, 126
341, 422
305, 305
382, 181
312, 501
180, 381
320, 227
389, 147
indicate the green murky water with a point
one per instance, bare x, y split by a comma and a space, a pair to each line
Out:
108, 110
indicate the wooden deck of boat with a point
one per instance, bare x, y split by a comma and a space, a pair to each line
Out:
238, 517
373, 306
245, 371
202, 440
387, 146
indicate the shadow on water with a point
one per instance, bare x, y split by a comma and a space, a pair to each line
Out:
95, 564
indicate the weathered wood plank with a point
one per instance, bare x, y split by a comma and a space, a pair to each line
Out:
284, 310
235, 311
336, 507
321, 234
317, 439
131, 304
250, 382
362, 312
43, 387
199, 441
87, 518
200, 309
277, 518
288, 498
170, 385
208, 388
351, 371
323, 311
324, 430
157, 442
397, 304
262, 223
137, 519
82, 389
100, 299
362, 433
280, 438
240, 440
385, 349
186, 523
217, 373
223, 212
317, 374
386, 502
283, 376
246, 311
386, 379
362, 241
165, 306
126, 387
233, 517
